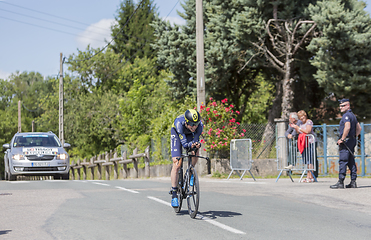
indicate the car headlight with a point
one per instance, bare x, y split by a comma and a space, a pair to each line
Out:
18, 157
62, 156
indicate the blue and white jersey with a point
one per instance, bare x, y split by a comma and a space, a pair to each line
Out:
183, 131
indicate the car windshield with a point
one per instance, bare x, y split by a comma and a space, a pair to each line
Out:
36, 140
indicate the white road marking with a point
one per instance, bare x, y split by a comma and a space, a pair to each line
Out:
125, 189
213, 222
103, 184
159, 200
18, 181
221, 225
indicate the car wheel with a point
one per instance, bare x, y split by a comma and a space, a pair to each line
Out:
11, 177
65, 176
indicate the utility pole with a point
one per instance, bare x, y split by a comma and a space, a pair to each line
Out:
61, 133
200, 55
200, 62
19, 117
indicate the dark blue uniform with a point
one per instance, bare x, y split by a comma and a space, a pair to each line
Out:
346, 158
182, 136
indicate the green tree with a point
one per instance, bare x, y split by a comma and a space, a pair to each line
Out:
96, 68
342, 52
133, 33
238, 48
176, 46
147, 98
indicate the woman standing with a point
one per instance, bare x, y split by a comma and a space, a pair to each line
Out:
306, 127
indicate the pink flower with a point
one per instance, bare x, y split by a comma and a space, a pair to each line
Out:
204, 149
215, 111
237, 112
207, 109
231, 106
211, 146
213, 142
227, 109
220, 143
232, 120
210, 98
242, 134
223, 126
226, 143
202, 141
243, 130
225, 138
238, 123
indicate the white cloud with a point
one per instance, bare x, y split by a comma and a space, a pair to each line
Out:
4, 75
96, 34
176, 20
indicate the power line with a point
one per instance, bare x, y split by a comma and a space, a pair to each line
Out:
45, 20
66, 19
172, 9
46, 13
31, 24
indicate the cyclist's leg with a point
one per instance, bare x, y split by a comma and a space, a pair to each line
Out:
176, 148
176, 151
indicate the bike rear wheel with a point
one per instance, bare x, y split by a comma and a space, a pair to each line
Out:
192, 193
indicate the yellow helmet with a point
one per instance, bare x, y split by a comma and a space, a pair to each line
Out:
192, 117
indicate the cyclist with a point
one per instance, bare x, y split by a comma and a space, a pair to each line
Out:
185, 132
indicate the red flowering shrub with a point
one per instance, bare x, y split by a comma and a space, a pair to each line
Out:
219, 125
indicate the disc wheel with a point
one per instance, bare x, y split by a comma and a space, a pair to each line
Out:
193, 193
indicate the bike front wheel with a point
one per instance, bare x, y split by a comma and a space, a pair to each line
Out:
193, 193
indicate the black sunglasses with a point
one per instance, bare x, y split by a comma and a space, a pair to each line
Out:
343, 105
193, 124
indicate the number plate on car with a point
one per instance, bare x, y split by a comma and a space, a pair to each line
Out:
40, 151
39, 164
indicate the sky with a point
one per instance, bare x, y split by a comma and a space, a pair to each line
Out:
33, 33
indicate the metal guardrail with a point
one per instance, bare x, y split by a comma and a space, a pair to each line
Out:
290, 159
241, 156
109, 160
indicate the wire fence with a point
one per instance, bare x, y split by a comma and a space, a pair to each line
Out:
262, 136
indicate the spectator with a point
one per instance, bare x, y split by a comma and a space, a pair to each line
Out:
290, 134
306, 127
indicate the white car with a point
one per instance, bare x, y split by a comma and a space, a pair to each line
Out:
36, 154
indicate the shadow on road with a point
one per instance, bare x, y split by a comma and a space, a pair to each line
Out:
216, 214
3, 232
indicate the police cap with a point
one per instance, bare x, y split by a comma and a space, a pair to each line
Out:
343, 100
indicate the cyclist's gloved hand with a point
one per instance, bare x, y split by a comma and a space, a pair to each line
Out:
196, 145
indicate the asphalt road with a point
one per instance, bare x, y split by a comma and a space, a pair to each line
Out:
140, 209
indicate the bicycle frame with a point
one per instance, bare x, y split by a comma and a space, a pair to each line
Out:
187, 190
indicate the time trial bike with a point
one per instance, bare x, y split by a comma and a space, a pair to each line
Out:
188, 186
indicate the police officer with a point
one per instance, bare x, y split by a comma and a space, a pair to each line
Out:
349, 130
